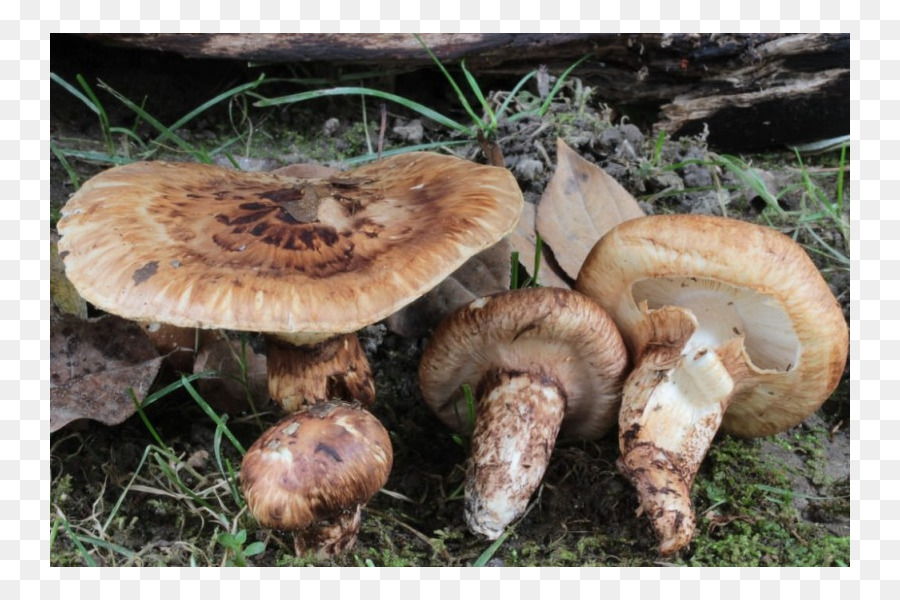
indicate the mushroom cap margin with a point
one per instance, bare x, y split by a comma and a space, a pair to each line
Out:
202, 246
743, 255
553, 331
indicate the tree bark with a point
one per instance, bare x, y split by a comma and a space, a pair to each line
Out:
750, 90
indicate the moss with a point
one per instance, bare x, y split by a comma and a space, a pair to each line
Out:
745, 514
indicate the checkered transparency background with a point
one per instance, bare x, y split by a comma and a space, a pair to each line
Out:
24, 298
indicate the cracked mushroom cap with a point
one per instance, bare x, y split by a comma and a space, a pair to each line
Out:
743, 283
552, 331
202, 246
315, 464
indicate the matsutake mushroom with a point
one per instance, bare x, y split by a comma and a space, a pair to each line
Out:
542, 362
312, 472
306, 261
731, 328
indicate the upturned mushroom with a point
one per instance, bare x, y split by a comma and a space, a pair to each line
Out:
312, 473
543, 363
307, 261
731, 328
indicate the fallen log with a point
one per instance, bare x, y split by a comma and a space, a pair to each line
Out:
750, 90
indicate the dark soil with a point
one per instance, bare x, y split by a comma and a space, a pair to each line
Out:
782, 500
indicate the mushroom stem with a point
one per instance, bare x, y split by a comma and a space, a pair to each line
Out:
671, 411
517, 420
329, 538
334, 369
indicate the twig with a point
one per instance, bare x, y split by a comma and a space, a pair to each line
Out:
383, 129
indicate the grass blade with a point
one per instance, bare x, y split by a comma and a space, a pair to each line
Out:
212, 414
75, 92
165, 132
514, 270
61, 157
427, 146
558, 85
75, 540
512, 94
459, 94
118, 504
485, 105
226, 95
488, 554
165, 391
349, 91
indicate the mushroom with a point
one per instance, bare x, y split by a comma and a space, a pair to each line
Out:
308, 261
313, 471
731, 328
542, 362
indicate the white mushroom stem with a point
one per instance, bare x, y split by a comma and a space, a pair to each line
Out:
517, 420
673, 403
334, 369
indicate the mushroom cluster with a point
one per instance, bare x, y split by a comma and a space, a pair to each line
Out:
731, 327
306, 261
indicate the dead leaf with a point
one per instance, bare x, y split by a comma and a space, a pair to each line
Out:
524, 241
93, 364
176, 345
485, 273
306, 171
580, 203
227, 392
63, 294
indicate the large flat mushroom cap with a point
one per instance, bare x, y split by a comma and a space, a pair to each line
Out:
202, 246
792, 331
556, 332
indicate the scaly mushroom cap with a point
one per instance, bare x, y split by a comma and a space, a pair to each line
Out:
202, 246
744, 284
315, 464
553, 331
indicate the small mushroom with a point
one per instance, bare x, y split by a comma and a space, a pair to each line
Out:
731, 327
312, 473
542, 363
308, 261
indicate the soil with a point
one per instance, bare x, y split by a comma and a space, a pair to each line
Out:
151, 491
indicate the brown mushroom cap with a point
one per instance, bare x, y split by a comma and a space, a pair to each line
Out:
315, 464
553, 331
769, 293
201, 246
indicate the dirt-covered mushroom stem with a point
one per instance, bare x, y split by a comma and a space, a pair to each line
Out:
518, 417
312, 473
306, 373
732, 328
542, 363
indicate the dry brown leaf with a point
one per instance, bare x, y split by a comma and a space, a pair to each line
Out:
63, 294
307, 171
524, 241
93, 364
580, 203
227, 392
485, 273
177, 345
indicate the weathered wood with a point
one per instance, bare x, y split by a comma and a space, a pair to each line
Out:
751, 90
362, 48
